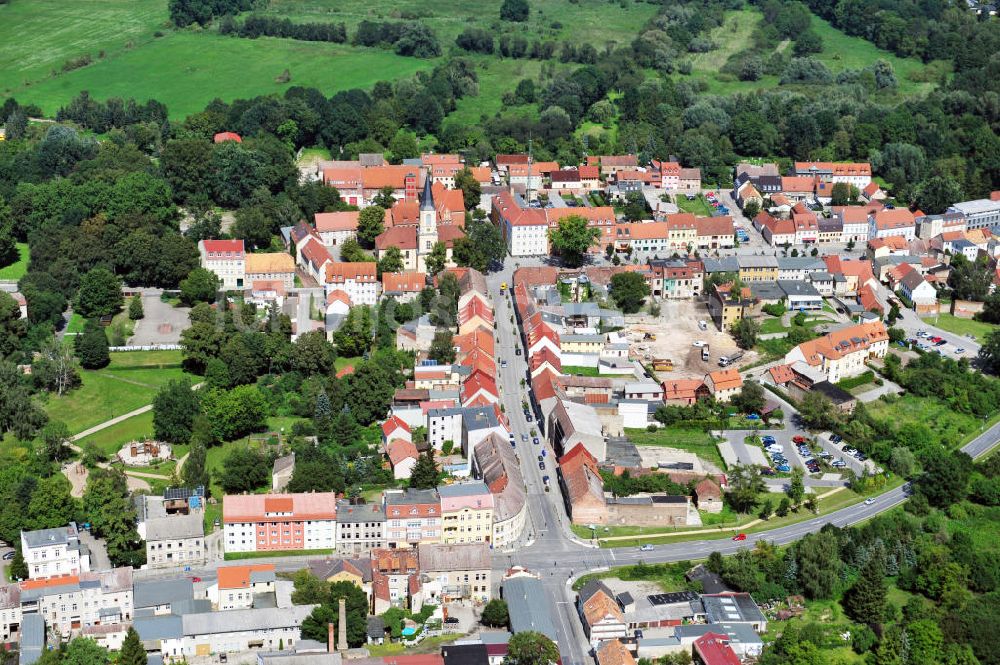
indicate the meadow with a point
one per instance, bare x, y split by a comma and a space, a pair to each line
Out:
16, 270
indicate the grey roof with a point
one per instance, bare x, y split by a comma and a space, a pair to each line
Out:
766, 291
737, 632
800, 263
411, 496
798, 288
327, 568
465, 654
58, 536
830, 224
192, 606
32, 638
262, 576
731, 608
234, 621
530, 606
151, 593
757, 261
306, 658
427, 198
494, 637
473, 488
975, 207
821, 276
376, 627
175, 527
156, 628
283, 463
895, 260
582, 338
726, 264
264, 600
592, 587
363, 512
494, 459
468, 556
580, 308
479, 417
154, 659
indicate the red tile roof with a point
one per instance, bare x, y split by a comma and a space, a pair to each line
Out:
222, 137
714, 649
403, 282
223, 246
399, 450
337, 221
238, 577
338, 272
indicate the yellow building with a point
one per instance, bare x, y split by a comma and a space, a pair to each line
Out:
758, 268
466, 513
592, 344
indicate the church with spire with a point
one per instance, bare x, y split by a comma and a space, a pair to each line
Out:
415, 225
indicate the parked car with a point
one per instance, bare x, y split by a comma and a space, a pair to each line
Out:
767, 471
800, 439
524, 437
921, 333
528, 417
768, 439
740, 537
698, 343
534, 440
753, 416
836, 438
541, 459
541, 465
8, 556
838, 463
544, 452
784, 468
646, 548
503, 363
545, 479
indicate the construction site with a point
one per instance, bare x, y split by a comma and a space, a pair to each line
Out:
674, 344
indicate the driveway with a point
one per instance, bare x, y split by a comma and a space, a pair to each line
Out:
98, 552
162, 323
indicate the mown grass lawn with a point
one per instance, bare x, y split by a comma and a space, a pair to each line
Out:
694, 441
129, 382
16, 270
699, 206
111, 439
959, 326
951, 427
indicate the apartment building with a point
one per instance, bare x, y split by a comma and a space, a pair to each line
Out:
979, 214
842, 353
412, 517
58, 551
857, 174
360, 528
72, 602
226, 259
270, 267
466, 513
175, 540
260, 522
237, 586
358, 280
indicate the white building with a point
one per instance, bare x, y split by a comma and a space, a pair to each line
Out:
895, 222
525, 230
979, 214
279, 522
360, 528
58, 551
270, 267
358, 280
336, 227
74, 602
236, 586
175, 540
267, 629
226, 259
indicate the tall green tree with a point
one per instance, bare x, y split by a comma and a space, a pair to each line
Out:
200, 285
819, 564
174, 409
108, 506
514, 10
745, 485
100, 294
391, 260
745, 332
425, 472
531, 648
481, 247
495, 614
371, 223
796, 487
572, 238
471, 189
865, 601
751, 398
132, 651
442, 347
194, 472
135, 311
436, 261
92, 346
244, 470
327, 595
629, 290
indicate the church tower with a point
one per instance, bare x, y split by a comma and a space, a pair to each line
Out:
427, 234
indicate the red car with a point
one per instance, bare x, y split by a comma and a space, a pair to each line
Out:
740, 536
800, 439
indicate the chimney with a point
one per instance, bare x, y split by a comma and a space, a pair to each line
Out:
329, 637
342, 627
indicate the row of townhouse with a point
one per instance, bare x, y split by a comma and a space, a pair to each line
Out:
681, 232
239, 270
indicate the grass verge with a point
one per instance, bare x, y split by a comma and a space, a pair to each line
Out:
964, 327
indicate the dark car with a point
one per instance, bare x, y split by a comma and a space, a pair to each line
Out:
451, 620
527, 417
541, 465
836, 438
541, 459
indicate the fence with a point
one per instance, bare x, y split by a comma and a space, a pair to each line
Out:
148, 347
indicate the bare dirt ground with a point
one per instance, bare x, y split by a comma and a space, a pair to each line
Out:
676, 329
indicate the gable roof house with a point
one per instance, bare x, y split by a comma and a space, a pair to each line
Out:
724, 384
582, 487
602, 618
842, 353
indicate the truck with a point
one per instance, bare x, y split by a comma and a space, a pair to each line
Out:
704, 352
726, 361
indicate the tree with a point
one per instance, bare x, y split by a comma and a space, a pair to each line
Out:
840, 195
783, 507
989, 352
135, 311
531, 648
819, 564
18, 567
514, 10
200, 285
751, 209
194, 472
92, 346
442, 347
344, 431
425, 472
312, 354
817, 411
384, 199
865, 601
233, 413
174, 410
437, 259
471, 189
132, 651
751, 398
354, 336
945, 478
316, 470
481, 247
934, 194
902, 462
495, 614
391, 261
745, 332
108, 506
55, 435
370, 225
84, 651
629, 290
328, 596
100, 294
572, 238
244, 470
745, 483
796, 487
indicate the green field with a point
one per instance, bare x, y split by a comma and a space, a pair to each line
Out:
129, 382
186, 70
495, 78
111, 438
580, 371
909, 410
694, 441
840, 52
959, 326
16, 270
699, 206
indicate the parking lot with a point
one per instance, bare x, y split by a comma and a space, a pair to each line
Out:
735, 450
